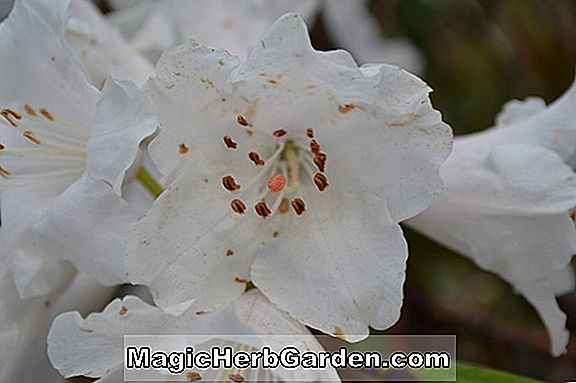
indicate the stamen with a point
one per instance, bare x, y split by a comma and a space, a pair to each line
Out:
229, 183
310, 133
238, 206
346, 108
276, 183
30, 110
242, 120
46, 114
12, 113
29, 135
230, 143
255, 157
262, 209
298, 205
314, 146
320, 161
279, 133
8, 117
321, 181
4, 172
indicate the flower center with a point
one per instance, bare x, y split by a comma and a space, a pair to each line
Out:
48, 149
278, 178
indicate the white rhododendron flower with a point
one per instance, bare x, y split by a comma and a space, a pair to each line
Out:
93, 347
351, 24
65, 150
292, 170
510, 193
154, 26
102, 48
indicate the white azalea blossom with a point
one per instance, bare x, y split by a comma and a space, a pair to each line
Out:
510, 191
351, 24
65, 150
154, 26
102, 48
93, 347
292, 170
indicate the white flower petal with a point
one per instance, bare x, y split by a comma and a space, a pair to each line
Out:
124, 118
93, 346
516, 111
511, 218
552, 127
154, 27
541, 296
24, 325
351, 25
347, 259
102, 48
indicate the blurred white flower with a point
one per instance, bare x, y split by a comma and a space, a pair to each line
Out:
93, 347
291, 169
24, 323
63, 159
350, 23
510, 191
102, 48
154, 26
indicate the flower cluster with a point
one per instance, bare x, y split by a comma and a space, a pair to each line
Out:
259, 191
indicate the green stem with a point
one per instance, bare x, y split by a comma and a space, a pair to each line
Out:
149, 182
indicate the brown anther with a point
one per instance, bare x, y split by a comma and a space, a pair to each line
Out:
230, 143
321, 181
320, 161
255, 157
46, 114
310, 133
193, 376
236, 378
346, 108
238, 206
314, 146
298, 205
30, 110
2, 147
229, 183
4, 172
29, 135
12, 113
182, 148
8, 117
279, 133
262, 209
284, 206
123, 311
229, 252
242, 120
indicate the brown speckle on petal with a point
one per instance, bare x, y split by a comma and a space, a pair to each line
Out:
255, 157
262, 209
230, 143
346, 108
310, 133
229, 252
182, 148
321, 181
279, 133
229, 183
123, 311
298, 205
30, 136
338, 332
240, 280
